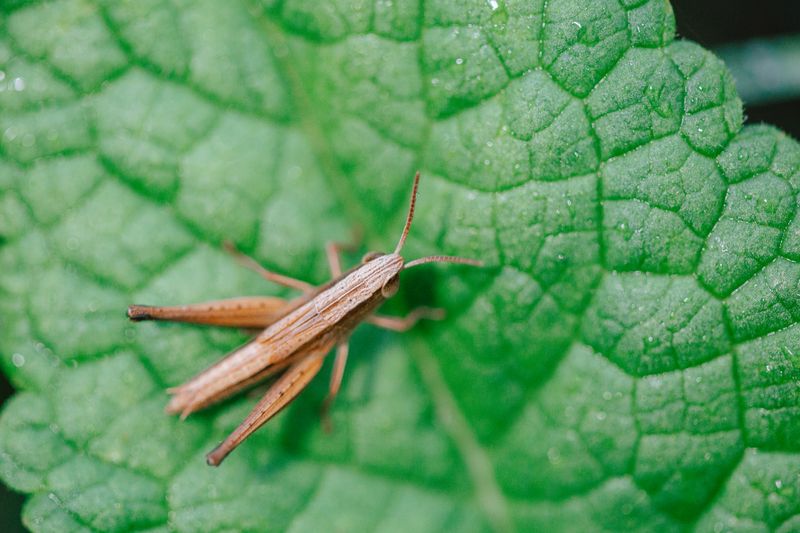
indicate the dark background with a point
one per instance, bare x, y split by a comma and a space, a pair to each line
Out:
716, 22
710, 23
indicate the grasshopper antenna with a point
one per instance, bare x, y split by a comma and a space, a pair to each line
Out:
443, 259
410, 215
432, 258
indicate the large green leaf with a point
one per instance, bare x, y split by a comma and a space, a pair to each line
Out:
627, 361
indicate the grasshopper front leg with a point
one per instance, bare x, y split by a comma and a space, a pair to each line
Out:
407, 322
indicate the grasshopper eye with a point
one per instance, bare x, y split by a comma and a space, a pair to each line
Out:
369, 256
390, 286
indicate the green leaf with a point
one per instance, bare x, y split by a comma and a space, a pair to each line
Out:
626, 361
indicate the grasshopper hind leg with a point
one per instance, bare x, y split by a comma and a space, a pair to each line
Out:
279, 395
255, 312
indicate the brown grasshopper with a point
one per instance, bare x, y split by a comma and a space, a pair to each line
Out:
298, 333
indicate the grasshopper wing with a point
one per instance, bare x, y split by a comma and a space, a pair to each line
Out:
299, 331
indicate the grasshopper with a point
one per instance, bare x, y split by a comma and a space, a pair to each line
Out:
297, 334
